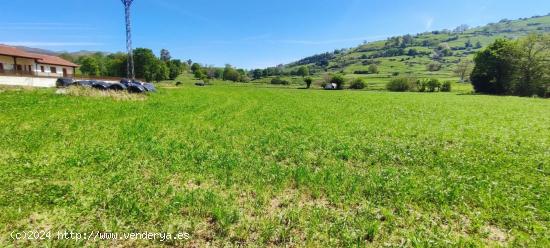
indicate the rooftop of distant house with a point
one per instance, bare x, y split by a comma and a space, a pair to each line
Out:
40, 58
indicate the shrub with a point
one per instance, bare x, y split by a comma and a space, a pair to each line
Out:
373, 69
434, 66
339, 80
421, 84
400, 84
433, 85
395, 74
279, 80
446, 86
358, 84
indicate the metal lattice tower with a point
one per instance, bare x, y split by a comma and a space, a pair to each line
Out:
130, 67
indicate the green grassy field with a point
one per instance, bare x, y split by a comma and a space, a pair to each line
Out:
255, 166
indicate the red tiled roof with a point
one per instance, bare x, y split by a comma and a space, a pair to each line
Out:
40, 58
53, 60
12, 51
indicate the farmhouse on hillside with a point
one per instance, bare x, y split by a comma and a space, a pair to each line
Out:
14, 61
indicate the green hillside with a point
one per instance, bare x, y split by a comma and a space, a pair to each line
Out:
410, 55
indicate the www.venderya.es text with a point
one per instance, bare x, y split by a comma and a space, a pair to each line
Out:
98, 236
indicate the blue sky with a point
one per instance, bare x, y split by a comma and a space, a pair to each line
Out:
244, 33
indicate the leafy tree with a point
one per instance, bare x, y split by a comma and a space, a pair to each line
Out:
463, 69
308, 82
478, 45
461, 29
323, 63
89, 66
532, 64
303, 71
339, 80
412, 52
145, 63
468, 44
175, 68
159, 71
189, 62
218, 73
494, 68
165, 55
442, 50
199, 74
195, 67
231, 74
257, 74
116, 64
407, 40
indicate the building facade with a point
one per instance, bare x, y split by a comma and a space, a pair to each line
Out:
14, 61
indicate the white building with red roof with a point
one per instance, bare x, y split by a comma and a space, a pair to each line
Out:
14, 61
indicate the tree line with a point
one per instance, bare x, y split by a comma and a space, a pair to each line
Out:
147, 65
514, 67
228, 73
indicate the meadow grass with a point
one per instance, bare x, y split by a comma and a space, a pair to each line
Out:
261, 166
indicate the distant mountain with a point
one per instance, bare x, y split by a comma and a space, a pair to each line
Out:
429, 54
37, 50
57, 53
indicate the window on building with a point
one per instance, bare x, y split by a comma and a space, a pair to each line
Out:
53, 69
1, 67
19, 67
42, 68
30, 68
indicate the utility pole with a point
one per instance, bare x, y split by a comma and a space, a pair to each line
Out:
130, 65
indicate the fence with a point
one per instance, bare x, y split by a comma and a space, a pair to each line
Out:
19, 73
12, 73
